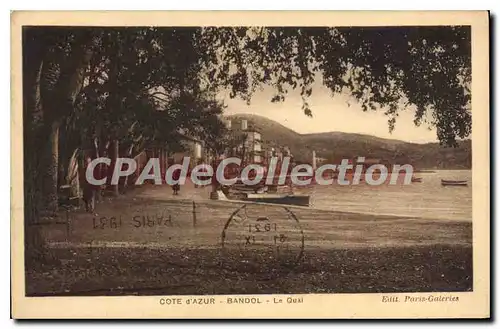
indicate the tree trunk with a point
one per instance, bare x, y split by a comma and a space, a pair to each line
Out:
51, 169
72, 177
215, 182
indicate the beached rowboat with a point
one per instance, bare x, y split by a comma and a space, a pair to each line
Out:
296, 200
453, 182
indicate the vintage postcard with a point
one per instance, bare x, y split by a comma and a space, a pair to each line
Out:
250, 165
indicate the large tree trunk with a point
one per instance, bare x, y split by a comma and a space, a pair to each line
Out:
51, 170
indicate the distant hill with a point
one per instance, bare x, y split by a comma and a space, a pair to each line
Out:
335, 146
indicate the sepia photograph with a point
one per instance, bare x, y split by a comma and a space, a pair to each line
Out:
215, 166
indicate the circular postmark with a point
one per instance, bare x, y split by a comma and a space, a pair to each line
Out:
263, 235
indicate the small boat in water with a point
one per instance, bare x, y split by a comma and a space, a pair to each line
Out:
453, 182
290, 199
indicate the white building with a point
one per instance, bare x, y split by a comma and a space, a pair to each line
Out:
254, 146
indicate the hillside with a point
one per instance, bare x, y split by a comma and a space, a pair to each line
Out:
338, 145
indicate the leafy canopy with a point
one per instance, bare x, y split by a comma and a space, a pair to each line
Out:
147, 80
388, 68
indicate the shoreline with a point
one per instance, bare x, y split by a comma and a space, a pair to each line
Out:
318, 209
188, 194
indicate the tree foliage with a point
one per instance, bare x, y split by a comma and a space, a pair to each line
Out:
385, 68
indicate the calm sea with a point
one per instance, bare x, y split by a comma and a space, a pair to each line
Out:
427, 199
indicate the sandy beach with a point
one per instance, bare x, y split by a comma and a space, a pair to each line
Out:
150, 242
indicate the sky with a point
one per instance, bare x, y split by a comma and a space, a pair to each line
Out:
330, 113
